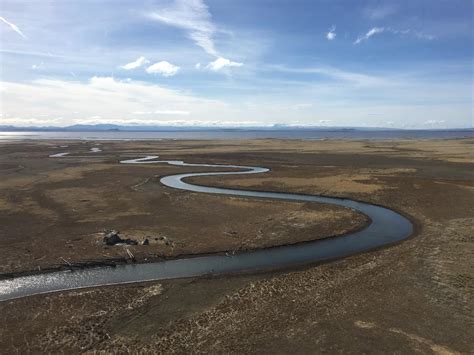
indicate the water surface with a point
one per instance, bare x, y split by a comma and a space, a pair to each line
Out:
239, 134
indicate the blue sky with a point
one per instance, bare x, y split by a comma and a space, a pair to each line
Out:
405, 64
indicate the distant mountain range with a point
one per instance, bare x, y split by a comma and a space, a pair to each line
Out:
136, 128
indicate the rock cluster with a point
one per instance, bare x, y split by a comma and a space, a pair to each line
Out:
113, 238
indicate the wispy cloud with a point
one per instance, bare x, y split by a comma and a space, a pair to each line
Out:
403, 32
13, 27
192, 16
331, 34
135, 64
426, 36
164, 68
38, 54
221, 63
372, 32
334, 73
409, 32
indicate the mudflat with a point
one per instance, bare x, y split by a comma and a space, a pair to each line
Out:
415, 296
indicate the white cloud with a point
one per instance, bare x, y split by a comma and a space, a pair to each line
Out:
198, 66
13, 26
221, 63
331, 34
323, 122
434, 122
373, 31
192, 16
135, 64
403, 32
164, 68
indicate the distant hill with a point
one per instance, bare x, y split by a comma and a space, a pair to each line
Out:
137, 128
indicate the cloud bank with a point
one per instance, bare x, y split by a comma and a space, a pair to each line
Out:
60, 102
164, 68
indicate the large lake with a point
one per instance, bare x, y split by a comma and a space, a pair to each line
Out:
238, 134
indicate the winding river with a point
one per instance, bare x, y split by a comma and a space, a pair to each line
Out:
387, 227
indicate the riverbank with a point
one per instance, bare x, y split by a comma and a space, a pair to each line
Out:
415, 296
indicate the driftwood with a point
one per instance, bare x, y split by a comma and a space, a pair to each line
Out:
130, 255
65, 261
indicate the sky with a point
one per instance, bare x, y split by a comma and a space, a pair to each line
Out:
367, 63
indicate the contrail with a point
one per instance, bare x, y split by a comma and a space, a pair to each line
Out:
13, 27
